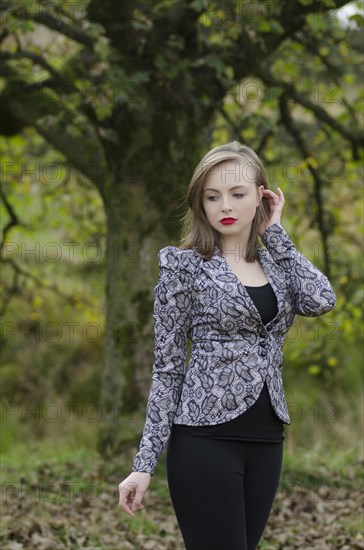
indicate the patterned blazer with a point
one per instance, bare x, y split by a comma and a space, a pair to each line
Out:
232, 351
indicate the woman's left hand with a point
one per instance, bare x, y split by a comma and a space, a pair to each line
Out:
276, 203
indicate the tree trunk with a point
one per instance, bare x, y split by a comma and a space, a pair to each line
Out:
130, 278
136, 230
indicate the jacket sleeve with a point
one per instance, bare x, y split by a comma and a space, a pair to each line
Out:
172, 304
312, 291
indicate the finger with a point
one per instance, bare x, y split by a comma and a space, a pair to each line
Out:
269, 191
125, 498
124, 506
130, 504
136, 504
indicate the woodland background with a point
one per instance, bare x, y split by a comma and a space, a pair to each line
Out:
106, 107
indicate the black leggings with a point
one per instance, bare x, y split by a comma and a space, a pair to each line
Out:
222, 491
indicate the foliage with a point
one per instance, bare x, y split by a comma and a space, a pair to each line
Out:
110, 108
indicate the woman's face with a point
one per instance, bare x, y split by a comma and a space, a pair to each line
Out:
230, 192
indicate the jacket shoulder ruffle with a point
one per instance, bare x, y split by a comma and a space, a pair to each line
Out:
177, 259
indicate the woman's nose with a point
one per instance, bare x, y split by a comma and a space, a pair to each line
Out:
225, 204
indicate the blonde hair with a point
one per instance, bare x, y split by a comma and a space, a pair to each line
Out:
197, 232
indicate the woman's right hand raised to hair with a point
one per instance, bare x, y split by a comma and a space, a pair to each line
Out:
132, 490
276, 203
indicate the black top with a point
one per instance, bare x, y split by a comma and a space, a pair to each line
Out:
259, 422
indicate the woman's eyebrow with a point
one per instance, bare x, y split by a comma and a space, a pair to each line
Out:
231, 188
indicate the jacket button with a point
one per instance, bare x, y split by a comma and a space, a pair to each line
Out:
264, 353
262, 344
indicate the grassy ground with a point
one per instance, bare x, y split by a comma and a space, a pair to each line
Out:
58, 493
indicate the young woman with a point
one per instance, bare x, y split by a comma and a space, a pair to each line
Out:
223, 415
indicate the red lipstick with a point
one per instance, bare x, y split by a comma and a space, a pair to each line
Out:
228, 221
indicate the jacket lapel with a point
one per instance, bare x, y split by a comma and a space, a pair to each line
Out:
221, 274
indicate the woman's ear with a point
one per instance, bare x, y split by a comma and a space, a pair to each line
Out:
260, 194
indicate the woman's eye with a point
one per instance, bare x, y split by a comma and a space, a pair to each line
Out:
212, 197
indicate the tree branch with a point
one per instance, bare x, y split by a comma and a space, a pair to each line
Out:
14, 220
38, 59
293, 130
56, 82
43, 113
238, 132
355, 138
334, 72
57, 25
263, 143
15, 287
249, 52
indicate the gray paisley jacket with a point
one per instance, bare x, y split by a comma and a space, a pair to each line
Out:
232, 352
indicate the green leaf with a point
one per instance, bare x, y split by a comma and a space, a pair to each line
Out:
160, 62
358, 18
197, 5
314, 370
